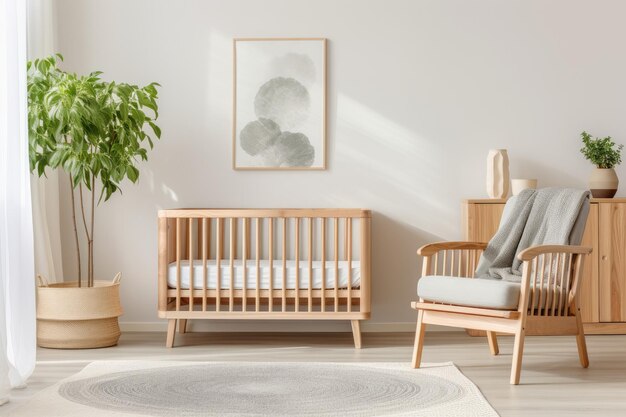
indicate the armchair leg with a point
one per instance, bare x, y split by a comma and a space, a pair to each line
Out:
493, 343
419, 340
580, 340
518, 352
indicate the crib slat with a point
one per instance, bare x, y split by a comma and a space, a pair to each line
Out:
345, 239
244, 250
445, 261
436, 264
349, 227
336, 254
218, 260
205, 251
270, 234
221, 236
208, 234
178, 227
284, 292
323, 241
297, 249
310, 299
190, 253
233, 248
247, 226
257, 301
164, 259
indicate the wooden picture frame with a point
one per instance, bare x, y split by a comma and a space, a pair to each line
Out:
279, 104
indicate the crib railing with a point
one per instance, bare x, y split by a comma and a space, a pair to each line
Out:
231, 237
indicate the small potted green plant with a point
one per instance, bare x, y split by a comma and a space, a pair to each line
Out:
605, 155
97, 132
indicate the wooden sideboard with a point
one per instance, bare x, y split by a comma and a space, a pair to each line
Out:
603, 292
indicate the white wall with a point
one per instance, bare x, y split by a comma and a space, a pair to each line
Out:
418, 93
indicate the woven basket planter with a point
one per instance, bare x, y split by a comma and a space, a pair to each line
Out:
69, 317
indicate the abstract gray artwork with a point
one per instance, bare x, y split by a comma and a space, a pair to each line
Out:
279, 104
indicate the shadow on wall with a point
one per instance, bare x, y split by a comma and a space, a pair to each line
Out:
395, 267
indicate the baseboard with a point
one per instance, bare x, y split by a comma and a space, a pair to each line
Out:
271, 326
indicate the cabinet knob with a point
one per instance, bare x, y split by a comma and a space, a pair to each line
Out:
604, 257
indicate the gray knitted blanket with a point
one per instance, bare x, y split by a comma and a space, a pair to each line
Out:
533, 217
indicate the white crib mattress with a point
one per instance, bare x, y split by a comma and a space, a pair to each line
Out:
264, 269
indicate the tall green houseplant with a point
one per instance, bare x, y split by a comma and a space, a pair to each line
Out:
95, 130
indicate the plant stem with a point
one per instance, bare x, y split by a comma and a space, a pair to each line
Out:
82, 210
80, 275
93, 212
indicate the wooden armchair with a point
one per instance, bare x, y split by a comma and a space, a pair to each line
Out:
547, 303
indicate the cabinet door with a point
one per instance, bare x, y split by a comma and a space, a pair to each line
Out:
612, 262
482, 221
588, 292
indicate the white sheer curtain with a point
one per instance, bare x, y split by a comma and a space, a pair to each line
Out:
17, 284
45, 190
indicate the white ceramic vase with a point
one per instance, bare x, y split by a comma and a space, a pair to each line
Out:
603, 183
498, 177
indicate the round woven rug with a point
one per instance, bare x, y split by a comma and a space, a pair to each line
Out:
265, 389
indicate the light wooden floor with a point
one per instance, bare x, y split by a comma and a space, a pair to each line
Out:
553, 383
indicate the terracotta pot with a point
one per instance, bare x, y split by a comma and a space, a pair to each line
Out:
498, 173
69, 317
603, 183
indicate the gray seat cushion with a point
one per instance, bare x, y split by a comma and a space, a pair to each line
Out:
486, 293
470, 292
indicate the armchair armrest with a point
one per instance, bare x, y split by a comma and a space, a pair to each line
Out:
534, 251
432, 248
551, 284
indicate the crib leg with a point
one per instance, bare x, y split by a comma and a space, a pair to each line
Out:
182, 326
356, 333
171, 331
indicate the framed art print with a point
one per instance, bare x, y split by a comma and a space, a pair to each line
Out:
279, 103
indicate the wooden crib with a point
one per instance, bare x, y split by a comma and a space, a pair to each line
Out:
264, 264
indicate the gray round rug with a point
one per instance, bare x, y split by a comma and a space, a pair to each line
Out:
263, 389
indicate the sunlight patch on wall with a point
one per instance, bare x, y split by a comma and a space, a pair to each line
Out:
170, 193
394, 169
